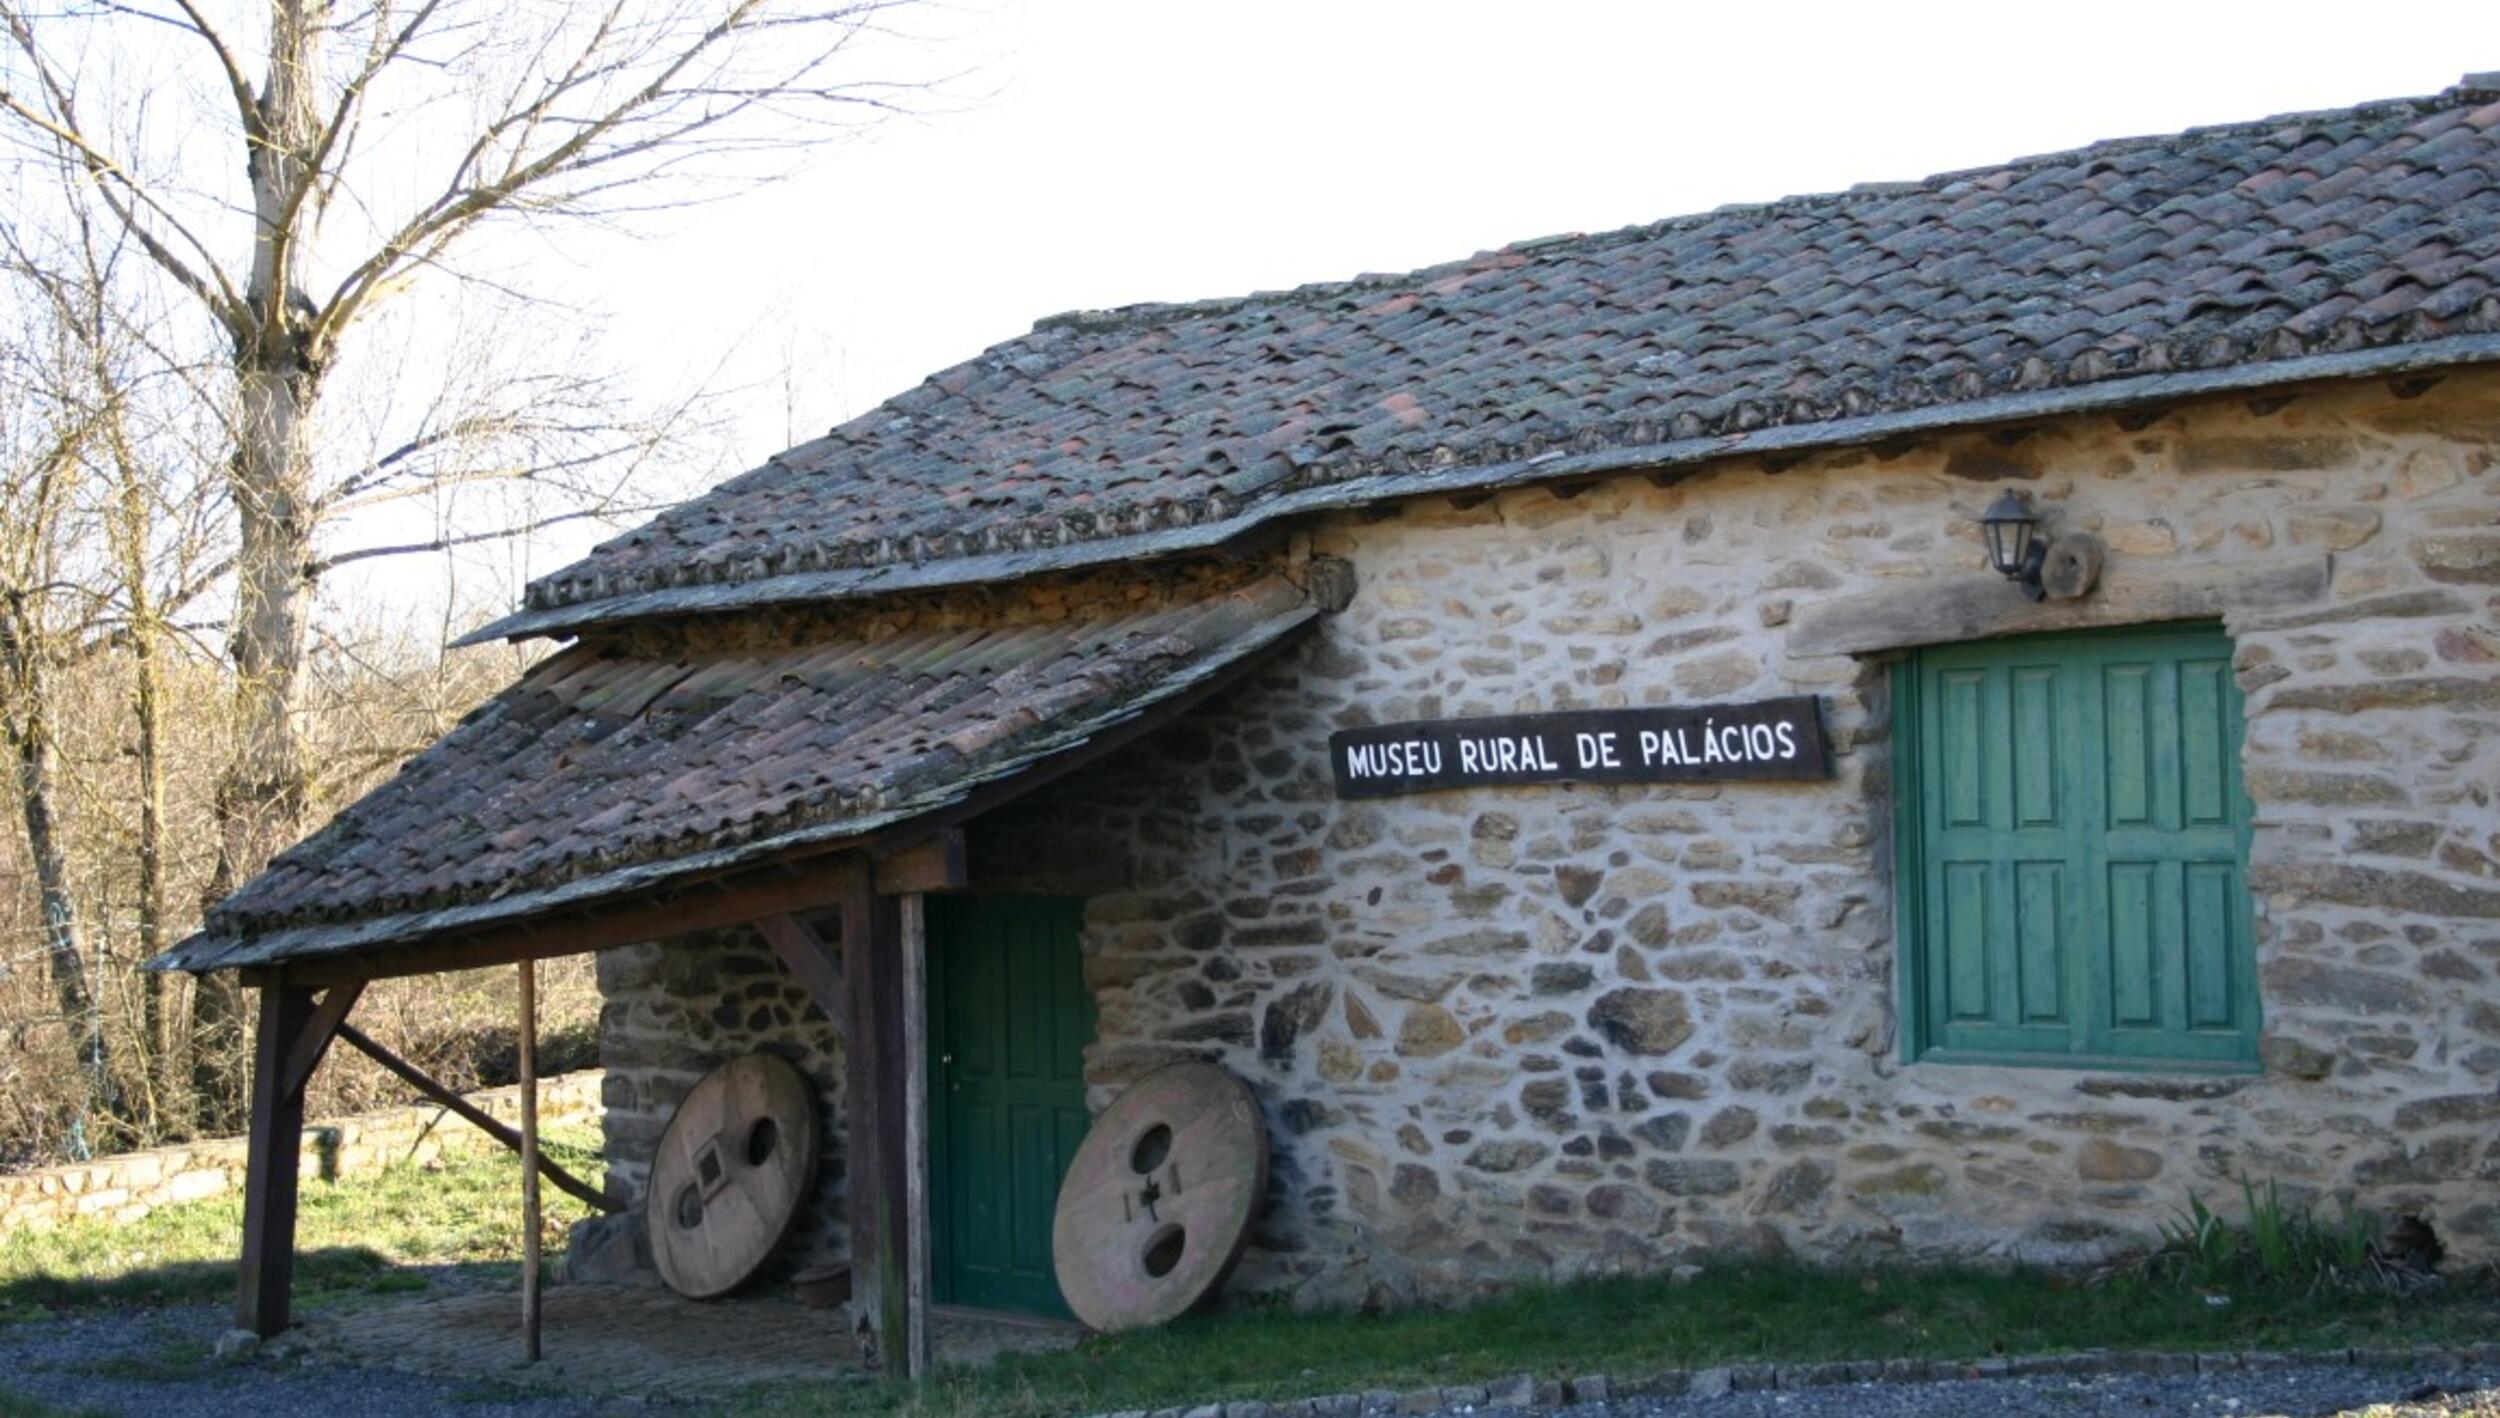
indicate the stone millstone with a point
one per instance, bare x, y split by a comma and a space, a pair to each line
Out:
1158, 1203
734, 1166
2072, 566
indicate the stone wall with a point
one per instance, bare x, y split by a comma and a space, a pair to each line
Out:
678, 1009
1535, 1032
1539, 1032
132, 1184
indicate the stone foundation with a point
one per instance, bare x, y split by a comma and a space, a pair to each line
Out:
1540, 1032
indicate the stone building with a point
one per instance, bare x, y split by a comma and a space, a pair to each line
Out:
2058, 912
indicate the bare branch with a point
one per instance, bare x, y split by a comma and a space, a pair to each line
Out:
214, 289
499, 534
246, 112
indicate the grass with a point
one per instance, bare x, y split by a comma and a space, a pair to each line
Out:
1750, 1314
371, 1235
352, 1237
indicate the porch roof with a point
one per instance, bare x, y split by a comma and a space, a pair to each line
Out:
603, 773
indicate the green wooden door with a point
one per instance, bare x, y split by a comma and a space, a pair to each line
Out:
1009, 1017
2076, 836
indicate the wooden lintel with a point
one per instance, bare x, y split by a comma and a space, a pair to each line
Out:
806, 954
485, 1121
1977, 604
314, 1044
934, 864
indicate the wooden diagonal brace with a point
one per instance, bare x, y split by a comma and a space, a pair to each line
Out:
328, 1016
805, 954
408, 1073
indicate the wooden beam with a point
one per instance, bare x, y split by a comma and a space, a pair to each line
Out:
485, 1121
936, 864
265, 1276
801, 884
314, 1045
873, 1107
531, 1242
804, 953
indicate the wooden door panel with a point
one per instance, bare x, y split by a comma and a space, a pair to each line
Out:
1010, 1017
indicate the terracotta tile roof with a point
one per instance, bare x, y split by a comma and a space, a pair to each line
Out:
2347, 242
599, 773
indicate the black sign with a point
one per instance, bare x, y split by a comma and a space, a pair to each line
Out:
1771, 738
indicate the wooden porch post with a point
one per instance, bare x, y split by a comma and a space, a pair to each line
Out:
531, 1218
265, 1280
919, 1343
875, 1110
876, 994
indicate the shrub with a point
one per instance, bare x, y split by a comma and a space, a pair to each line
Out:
2278, 1245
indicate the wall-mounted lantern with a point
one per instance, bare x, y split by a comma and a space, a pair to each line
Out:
2015, 546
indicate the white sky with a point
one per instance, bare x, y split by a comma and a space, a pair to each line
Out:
1104, 152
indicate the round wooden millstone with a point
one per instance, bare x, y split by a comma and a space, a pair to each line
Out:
1158, 1203
734, 1167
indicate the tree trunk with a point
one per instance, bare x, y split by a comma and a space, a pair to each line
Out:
30, 735
156, 1045
260, 799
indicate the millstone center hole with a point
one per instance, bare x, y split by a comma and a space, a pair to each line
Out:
762, 1139
707, 1170
688, 1211
1151, 1149
1163, 1250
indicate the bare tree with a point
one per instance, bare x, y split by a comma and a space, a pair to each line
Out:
35, 523
81, 422
378, 145
54, 415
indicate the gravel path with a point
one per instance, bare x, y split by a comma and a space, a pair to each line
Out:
151, 1362
159, 1361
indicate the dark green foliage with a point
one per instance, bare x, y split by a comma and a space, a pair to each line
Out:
2278, 1246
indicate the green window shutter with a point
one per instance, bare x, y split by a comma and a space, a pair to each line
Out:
2073, 840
